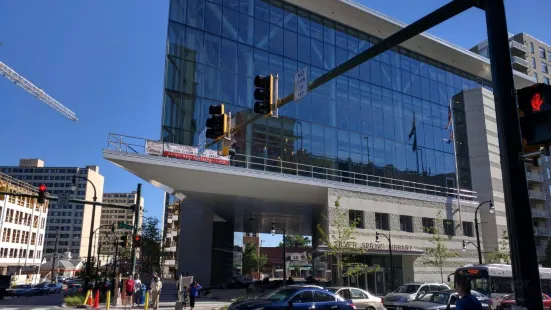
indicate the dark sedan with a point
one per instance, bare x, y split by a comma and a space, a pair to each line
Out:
54, 288
439, 300
294, 297
22, 290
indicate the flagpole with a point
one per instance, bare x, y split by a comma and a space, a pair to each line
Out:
456, 163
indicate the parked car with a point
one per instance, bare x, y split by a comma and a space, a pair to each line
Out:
482, 298
21, 290
409, 292
73, 289
41, 289
361, 299
55, 288
508, 301
436, 300
295, 298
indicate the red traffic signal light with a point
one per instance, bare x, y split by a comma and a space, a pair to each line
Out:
42, 193
534, 103
137, 241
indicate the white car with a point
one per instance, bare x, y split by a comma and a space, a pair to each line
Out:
410, 291
360, 298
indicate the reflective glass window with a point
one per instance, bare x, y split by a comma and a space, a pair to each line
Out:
245, 29
178, 10
195, 13
213, 13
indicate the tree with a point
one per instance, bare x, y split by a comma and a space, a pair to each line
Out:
438, 254
501, 254
150, 250
253, 260
340, 241
296, 241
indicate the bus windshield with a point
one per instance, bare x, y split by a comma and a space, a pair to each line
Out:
480, 285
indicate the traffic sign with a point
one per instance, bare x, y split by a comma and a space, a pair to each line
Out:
63, 199
121, 225
202, 142
301, 83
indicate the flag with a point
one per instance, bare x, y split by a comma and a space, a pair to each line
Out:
413, 133
450, 140
449, 116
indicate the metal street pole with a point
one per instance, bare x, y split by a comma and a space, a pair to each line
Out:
284, 256
91, 238
115, 259
136, 223
55, 254
515, 188
476, 229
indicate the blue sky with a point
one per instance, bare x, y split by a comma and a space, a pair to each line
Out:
104, 60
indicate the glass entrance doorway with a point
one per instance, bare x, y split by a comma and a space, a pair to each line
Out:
373, 281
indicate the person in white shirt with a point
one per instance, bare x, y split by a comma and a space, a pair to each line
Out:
156, 292
137, 291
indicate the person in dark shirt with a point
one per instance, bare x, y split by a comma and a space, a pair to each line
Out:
466, 301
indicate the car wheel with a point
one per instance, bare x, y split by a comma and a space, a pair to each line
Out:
370, 308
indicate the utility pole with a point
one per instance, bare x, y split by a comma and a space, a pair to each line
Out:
136, 223
55, 254
115, 259
517, 202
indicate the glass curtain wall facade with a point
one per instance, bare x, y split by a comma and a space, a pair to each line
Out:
359, 122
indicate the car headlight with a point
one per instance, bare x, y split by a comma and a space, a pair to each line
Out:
410, 298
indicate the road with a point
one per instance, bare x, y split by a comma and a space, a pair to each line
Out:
45, 302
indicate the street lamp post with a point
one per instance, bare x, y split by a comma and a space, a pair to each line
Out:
89, 256
492, 210
284, 254
465, 242
377, 234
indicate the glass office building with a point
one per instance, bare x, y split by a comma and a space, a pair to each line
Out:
359, 122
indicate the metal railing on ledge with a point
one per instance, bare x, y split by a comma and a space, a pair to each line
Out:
536, 195
539, 213
518, 46
135, 145
534, 176
520, 61
540, 231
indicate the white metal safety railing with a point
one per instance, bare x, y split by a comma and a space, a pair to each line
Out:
517, 45
135, 145
520, 61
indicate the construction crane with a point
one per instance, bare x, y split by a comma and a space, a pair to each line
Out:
16, 78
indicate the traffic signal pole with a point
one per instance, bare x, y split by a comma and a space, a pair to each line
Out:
515, 187
136, 223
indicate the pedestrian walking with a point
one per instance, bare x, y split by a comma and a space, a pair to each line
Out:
137, 291
185, 297
129, 287
151, 286
194, 288
466, 300
156, 292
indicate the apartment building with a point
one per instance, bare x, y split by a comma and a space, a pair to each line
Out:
114, 216
171, 229
528, 54
22, 229
72, 220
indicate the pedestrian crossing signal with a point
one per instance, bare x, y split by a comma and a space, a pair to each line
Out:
137, 241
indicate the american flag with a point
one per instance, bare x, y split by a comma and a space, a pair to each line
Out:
449, 116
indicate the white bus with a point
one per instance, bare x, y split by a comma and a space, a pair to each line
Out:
496, 280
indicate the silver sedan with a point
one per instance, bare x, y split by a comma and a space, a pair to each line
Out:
362, 299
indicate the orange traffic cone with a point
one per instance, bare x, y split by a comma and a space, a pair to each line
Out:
90, 300
96, 300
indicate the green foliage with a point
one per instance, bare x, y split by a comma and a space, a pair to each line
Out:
150, 251
501, 254
74, 300
296, 241
436, 256
342, 233
253, 260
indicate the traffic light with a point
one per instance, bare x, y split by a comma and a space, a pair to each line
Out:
137, 241
218, 124
264, 94
534, 103
42, 193
124, 241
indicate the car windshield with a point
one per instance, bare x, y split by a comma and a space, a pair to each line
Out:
332, 289
408, 289
279, 295
23, 286
436, 297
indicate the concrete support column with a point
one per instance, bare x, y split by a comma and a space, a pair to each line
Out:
195, 248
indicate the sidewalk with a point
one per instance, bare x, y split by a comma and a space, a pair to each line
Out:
199, 305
